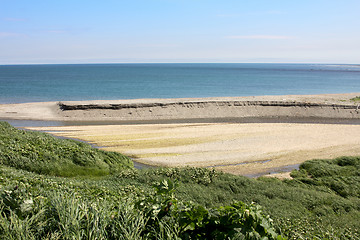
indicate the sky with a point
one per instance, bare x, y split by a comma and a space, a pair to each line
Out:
131, 31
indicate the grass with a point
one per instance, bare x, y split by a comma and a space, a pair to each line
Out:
34, 206
321, 202
41, 153
355, 99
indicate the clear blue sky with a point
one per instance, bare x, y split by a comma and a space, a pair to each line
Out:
94, 31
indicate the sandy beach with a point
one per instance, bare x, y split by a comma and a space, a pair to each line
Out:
290, 106
222, 141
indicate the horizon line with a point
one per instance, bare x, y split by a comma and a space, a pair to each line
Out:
99, 63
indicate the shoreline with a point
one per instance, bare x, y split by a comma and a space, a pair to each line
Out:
291, 120
325, 106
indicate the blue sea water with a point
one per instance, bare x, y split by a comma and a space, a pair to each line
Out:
34, 83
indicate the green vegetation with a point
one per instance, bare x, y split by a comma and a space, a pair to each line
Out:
355, 99
44, 154
321, 202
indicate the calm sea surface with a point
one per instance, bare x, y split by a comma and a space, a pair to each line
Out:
33, 83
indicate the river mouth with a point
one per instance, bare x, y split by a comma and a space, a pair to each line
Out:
304, 120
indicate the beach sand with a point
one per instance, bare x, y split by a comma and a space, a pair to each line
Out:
250, 149
246, 149
291, 106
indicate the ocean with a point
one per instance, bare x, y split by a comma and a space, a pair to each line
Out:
72, 82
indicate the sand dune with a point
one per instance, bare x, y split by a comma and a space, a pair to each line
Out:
307, 106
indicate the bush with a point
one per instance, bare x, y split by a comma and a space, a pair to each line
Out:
41, 153
158, 215
341, 175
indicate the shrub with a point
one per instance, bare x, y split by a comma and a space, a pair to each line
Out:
41, 153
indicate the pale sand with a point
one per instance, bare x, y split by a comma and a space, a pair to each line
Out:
216, 144
246, 149
47, 111
305, 106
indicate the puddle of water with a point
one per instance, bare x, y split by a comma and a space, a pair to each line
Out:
287, 168
239, 164
34, 123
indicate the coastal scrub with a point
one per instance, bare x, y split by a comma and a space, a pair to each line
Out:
44, 154
321, 202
